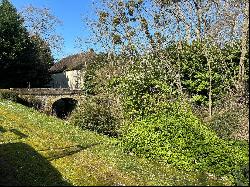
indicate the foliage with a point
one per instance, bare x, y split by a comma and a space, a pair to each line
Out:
32, 101
206, 69
230, 119
194, 70
51, 141
91, 84
41, 21
100, 114
136, 26
226, 123
143, 86
9, 95
14, 42
168, 56
176, 136
23, 59
42, 61
153, 75
159, 126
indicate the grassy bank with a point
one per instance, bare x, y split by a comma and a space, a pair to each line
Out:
43, 150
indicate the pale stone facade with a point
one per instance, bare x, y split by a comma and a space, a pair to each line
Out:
68, 79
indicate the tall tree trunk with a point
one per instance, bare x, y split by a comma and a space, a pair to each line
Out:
245, 31
210, 82
179, 67
188, 33
180, 14
198, 13
210, 89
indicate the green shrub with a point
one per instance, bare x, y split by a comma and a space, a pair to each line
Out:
226, 123
176, 136
142, 90
230, 119
98, 113
94, 77
9, 95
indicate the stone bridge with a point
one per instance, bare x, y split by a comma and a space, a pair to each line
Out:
58, 101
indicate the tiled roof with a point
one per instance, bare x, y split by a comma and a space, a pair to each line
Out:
73, 62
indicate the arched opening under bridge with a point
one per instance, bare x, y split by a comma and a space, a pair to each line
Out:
63, 107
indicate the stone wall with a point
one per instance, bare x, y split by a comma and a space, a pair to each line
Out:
47, 101
45, 97
46, 91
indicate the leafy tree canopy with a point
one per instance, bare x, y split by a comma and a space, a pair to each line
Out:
23, 59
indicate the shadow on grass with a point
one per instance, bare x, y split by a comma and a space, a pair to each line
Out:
20, 164
60, 152
15, 131
18, 133
2, 130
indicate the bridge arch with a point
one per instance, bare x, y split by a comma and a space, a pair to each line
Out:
62, 107
49, 99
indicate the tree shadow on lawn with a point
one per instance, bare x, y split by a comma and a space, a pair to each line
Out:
60, 152
20, 164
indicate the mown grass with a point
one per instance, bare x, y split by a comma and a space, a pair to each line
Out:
44, 150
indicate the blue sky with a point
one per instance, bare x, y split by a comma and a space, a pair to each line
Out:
71, 13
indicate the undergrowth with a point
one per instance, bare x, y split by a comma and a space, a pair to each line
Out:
54, 145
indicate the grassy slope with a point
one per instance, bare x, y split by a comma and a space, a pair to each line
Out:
44, 150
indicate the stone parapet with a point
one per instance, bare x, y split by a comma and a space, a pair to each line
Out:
46, 91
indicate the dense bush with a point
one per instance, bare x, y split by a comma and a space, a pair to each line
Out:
176, 136
9, 95
160, 124
230, 118
93, 75
143, 88
194, 70
100, 114
226, 123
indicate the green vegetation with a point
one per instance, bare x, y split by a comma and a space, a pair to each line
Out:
194, 70
35, 145
100, 114
23, 58
228, 122
176, 136
158, 121
167, 99
9, 95
172, 79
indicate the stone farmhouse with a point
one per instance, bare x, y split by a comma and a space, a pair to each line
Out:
69, 72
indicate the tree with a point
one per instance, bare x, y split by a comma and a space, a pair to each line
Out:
22, 60
42, 60
137, 28
41, 22
244, 45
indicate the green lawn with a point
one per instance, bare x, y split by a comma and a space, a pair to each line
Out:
36, 149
